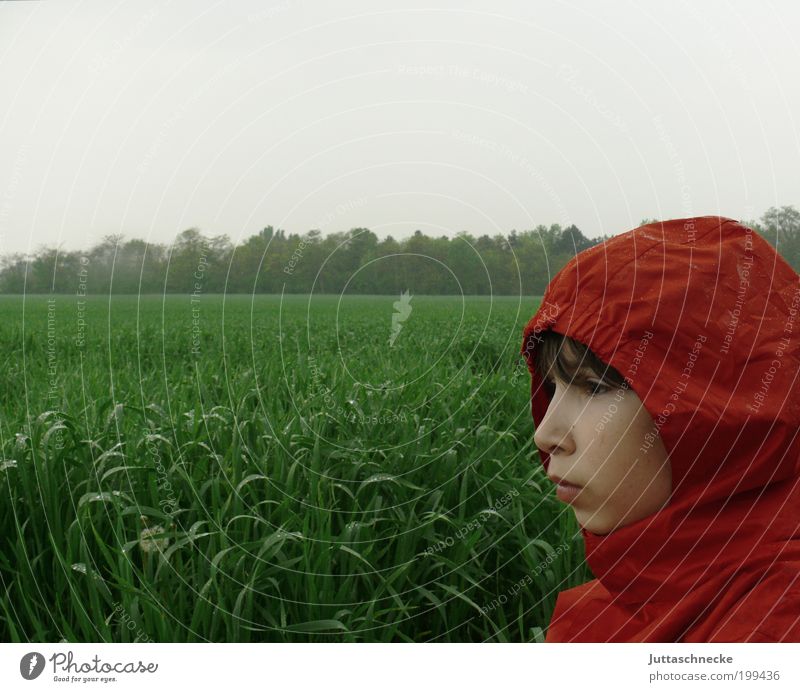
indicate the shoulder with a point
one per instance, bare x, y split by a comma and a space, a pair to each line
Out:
579, 595
770, 612
572, 607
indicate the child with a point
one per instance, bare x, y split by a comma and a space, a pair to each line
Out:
664, 387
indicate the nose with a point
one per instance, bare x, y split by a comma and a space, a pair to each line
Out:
554, 434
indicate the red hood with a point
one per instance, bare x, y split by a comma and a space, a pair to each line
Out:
702, 318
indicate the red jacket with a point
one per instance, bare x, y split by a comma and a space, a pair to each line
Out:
721, 562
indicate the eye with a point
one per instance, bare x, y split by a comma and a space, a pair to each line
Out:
596, 388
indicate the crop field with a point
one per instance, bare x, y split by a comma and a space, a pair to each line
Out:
237, 469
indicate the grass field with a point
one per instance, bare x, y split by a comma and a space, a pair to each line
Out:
267, 469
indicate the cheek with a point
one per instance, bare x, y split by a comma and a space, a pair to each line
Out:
609, 432
604, 465
601, 441
627, 428
616, 447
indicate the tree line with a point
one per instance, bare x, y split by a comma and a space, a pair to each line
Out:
354, 261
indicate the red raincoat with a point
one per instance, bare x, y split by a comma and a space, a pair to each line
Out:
702, 318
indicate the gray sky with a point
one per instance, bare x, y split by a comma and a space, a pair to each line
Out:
147, 118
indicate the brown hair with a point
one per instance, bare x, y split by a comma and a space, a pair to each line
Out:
571, 361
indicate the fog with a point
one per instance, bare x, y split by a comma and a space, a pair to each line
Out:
146, 118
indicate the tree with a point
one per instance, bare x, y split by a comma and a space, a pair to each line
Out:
571, 241
781, 227
269, 261
359, 248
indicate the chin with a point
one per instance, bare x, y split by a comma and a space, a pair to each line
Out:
597, 532
600, 528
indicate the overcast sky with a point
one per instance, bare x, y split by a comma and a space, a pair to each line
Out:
147, 118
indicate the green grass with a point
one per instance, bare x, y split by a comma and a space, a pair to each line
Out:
314, 483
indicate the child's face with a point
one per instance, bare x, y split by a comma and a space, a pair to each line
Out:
593, 435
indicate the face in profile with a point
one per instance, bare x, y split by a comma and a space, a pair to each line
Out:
595, 430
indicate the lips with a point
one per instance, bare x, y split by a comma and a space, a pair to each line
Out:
561, 481
565, 491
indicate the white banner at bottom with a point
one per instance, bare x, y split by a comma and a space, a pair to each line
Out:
387, 667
